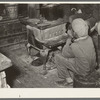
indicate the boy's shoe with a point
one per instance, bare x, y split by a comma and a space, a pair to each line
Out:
68, 84
69, 80
65, 82
60, 82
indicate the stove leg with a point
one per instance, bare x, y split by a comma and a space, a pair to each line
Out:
45, 59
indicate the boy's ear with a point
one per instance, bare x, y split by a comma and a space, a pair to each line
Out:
76, 36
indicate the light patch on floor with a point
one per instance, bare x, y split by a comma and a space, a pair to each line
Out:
27, 59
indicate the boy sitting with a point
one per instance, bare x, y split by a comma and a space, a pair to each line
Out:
78, 56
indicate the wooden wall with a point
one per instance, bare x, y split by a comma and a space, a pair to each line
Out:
12, 31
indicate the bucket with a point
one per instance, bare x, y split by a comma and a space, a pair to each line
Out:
12, 10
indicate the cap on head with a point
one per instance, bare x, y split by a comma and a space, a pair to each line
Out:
80, 27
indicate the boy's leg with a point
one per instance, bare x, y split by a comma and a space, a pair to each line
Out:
63, 66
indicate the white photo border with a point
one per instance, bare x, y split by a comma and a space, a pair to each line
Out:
51, 92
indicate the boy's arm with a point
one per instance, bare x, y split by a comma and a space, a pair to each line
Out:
93, 28
67, 51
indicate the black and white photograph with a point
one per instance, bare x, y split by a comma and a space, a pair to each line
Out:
49, 45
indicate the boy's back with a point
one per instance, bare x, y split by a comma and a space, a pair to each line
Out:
85, 56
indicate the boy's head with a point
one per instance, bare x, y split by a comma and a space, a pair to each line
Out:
80, 28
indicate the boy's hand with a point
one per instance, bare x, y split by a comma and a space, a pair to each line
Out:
96, 24
70, 33
69, 41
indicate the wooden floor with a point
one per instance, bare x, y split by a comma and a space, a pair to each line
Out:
24, 75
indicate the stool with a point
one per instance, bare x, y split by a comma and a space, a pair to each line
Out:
91, 81
4, 64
